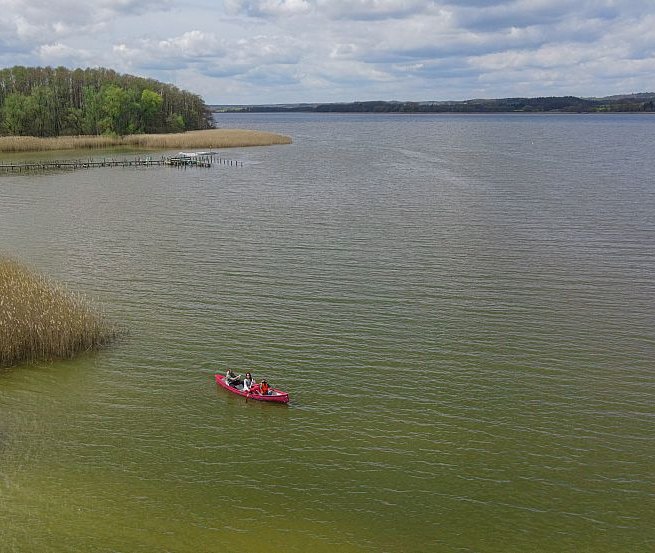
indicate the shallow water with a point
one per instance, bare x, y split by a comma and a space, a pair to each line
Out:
460, 306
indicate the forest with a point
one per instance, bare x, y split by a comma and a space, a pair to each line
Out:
46, 101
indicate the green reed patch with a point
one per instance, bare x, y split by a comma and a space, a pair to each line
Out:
41, 320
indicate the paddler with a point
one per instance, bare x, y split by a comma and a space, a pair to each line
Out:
231, 379
248, 382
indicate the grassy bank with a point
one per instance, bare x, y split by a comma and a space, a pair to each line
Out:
213, 138
40, 320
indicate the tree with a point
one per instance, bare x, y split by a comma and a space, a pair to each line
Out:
91, 111
16, 114
150, 104
73, 122
175, 122
116, 105
44, 112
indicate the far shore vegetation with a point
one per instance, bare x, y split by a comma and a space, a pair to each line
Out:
40, 320
205, 139
639, 102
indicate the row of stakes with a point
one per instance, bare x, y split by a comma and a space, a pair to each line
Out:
178, 161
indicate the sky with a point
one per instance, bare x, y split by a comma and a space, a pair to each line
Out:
290, 51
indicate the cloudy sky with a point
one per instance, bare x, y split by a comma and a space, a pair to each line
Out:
277, 51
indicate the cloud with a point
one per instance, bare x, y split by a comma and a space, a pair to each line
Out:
33, 20
192, 47
268, 8
132, 7
332, 9
211, 56
60, 54
272, 76
579, 56
372, 9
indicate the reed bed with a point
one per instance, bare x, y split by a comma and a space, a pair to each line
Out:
212, 138
41, 320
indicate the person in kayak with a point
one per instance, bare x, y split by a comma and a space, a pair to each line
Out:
248, 382
265, 389
231, 379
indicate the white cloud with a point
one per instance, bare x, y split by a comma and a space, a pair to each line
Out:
195, 44
268, 8
60, 54
333, 9
209, 55
372, 9
192, 47
31, 20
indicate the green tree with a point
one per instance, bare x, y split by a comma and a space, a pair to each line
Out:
43, 112
120, 110
175, 122
91, 110
17, 114
74, 121
150, 104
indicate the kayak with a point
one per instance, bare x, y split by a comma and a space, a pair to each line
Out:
275, 396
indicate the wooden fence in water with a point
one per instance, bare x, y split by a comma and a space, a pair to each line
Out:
206, 159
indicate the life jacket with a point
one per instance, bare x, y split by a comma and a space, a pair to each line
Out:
264, 388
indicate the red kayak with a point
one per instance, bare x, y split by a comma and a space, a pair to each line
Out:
276, 396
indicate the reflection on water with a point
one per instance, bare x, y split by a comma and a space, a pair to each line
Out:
461, 308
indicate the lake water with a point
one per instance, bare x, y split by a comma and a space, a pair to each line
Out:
461, 307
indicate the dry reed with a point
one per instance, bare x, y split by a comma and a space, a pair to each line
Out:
213, 138
40, 320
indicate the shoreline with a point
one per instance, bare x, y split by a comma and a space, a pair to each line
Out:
212, 138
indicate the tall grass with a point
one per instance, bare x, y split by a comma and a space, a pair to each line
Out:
212, 138
40, 320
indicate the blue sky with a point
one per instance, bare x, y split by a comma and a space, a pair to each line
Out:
277, 51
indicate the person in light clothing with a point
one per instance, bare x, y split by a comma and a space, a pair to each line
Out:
248, 382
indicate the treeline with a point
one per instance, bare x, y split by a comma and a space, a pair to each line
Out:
46, 101
562, 104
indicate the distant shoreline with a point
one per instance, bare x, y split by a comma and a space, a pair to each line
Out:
213, 138
627, 103
458, 114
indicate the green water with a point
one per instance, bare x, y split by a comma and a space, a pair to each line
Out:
460, 307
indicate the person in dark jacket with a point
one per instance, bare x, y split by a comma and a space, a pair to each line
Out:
231, 379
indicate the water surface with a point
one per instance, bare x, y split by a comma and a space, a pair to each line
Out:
460, 306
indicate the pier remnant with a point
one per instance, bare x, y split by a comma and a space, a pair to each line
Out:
183, 159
